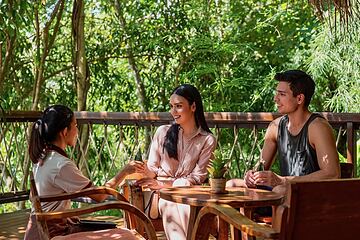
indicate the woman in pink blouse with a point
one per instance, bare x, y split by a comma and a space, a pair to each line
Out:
179, 156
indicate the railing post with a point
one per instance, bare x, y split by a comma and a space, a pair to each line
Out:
351, 146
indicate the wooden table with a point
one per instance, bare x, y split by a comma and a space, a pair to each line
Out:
237, 197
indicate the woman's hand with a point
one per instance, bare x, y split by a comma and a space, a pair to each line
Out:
134, 167
131, 167
151, 183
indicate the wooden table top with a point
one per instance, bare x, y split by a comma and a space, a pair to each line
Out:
236, 196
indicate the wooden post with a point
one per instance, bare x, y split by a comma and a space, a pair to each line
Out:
351, 146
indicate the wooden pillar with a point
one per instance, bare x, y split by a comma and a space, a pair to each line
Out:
351, 146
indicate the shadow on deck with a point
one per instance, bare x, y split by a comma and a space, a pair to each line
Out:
13, 225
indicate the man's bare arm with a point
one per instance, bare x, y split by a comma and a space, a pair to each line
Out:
322, 140
269, 149
268, 152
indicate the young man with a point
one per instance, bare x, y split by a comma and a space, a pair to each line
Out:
303, 141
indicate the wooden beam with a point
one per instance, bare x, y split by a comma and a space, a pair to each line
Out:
351, 146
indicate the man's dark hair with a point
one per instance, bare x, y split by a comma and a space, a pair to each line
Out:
299, 82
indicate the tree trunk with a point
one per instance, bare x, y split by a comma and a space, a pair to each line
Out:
131, 59
44, 45
132, 63
10, 40
81, 70
81, 76
9, 51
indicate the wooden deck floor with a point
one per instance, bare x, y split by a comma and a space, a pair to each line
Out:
13, 225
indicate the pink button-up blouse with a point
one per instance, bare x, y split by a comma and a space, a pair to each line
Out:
193, 156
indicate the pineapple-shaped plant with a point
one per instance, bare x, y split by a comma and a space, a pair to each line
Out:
218, 165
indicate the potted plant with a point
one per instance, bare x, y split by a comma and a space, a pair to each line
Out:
217, 170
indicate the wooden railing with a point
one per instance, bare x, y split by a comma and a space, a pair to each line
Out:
107, 140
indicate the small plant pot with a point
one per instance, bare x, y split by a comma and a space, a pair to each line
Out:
217, 185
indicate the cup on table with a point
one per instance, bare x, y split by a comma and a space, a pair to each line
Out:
264, 187
260, 167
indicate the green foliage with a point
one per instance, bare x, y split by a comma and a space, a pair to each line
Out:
14, 206
334, 62
342, 158
218, 165
229, 50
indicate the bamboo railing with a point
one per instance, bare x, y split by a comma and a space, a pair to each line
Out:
107, 140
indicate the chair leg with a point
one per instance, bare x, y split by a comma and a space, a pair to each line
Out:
137, 199
223, 229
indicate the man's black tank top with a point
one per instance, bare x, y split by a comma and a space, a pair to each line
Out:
296, 155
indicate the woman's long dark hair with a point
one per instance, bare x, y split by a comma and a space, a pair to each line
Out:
45, 130
191, 94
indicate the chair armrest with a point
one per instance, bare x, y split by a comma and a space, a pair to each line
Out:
87, 199
149, 228
233, 217
84, 192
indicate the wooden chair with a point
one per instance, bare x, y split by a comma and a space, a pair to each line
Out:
135, 195
346, 171
328, 209
132, 214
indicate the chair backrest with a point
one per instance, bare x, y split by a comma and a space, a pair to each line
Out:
36, 203
324, 210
